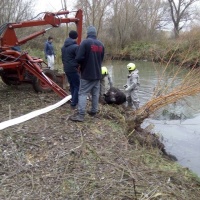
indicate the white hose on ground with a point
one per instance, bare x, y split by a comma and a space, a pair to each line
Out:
33, 114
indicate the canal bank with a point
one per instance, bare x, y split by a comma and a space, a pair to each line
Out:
181, 114
52, 157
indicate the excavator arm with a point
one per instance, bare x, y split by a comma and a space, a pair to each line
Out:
14, 64
9, 38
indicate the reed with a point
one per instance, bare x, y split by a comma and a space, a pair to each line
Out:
169, 91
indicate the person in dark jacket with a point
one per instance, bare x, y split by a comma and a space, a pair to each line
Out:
69, 51
90, 56
49, 52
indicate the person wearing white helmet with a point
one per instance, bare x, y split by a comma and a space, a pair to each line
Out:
132, 86
105, 74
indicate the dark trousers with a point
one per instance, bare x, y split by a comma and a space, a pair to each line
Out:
74, 82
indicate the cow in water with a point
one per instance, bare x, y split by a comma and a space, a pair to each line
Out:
114, 96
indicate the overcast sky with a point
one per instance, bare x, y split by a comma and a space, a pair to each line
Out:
50, 5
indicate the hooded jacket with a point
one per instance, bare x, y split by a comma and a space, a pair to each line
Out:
90, 56
69, 51
49, 49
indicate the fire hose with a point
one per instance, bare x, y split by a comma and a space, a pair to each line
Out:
33, 114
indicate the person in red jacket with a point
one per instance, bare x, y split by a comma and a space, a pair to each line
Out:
90, 56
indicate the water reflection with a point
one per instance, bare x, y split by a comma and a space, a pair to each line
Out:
181, 137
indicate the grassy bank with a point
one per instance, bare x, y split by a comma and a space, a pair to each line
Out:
50, 157
184, 51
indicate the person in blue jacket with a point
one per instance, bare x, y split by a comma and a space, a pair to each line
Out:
49, 53
69, 51
90, 56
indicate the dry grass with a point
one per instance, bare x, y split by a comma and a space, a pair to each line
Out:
50, 157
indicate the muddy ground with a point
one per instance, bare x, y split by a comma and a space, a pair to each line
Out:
52, 158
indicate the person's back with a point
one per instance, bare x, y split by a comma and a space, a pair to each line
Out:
90, 56
69, 51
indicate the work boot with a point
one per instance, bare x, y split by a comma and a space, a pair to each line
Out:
77, 118
91, 113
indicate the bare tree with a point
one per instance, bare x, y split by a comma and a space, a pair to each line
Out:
64, 4
64, 7
15, 10
152, 12
124, 22
135, 20
121, 22
94, 12
180, 13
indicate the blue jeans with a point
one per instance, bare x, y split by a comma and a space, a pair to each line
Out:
74, 82
86, 87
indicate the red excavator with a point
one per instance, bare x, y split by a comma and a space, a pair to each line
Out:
19, 67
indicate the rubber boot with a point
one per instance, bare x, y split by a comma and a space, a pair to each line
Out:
136, 104
128, 102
